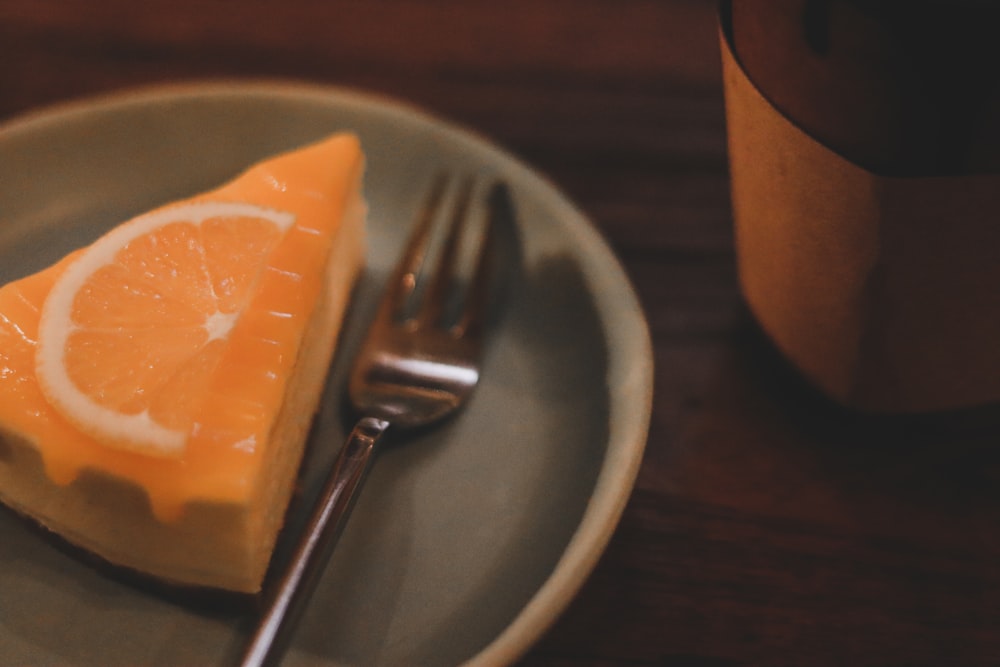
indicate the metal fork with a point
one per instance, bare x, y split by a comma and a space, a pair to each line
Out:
418, 363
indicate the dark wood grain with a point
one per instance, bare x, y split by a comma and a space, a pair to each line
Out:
767, 527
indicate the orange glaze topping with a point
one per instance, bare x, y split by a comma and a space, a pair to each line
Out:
237, 399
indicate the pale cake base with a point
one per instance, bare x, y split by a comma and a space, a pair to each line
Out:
216, 545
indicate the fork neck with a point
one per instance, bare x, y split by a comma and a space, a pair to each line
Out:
367, 431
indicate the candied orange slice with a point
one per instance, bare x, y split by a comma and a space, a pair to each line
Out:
134, 328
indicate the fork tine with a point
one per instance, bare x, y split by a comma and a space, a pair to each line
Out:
436, 297
473, 316
404, 278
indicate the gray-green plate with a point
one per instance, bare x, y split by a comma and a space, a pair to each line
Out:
468, 541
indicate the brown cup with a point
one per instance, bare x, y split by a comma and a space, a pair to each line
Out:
864, 144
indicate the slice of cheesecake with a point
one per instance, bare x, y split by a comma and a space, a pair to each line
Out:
157, 386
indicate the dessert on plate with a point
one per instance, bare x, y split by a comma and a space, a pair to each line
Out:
157, 386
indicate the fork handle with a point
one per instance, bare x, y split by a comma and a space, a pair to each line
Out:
330, 514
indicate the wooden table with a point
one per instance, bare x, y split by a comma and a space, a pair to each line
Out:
766, 527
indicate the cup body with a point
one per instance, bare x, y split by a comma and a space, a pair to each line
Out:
864, 143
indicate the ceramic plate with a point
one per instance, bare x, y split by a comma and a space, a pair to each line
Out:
469, 539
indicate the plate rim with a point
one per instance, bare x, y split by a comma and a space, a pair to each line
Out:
623, 456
